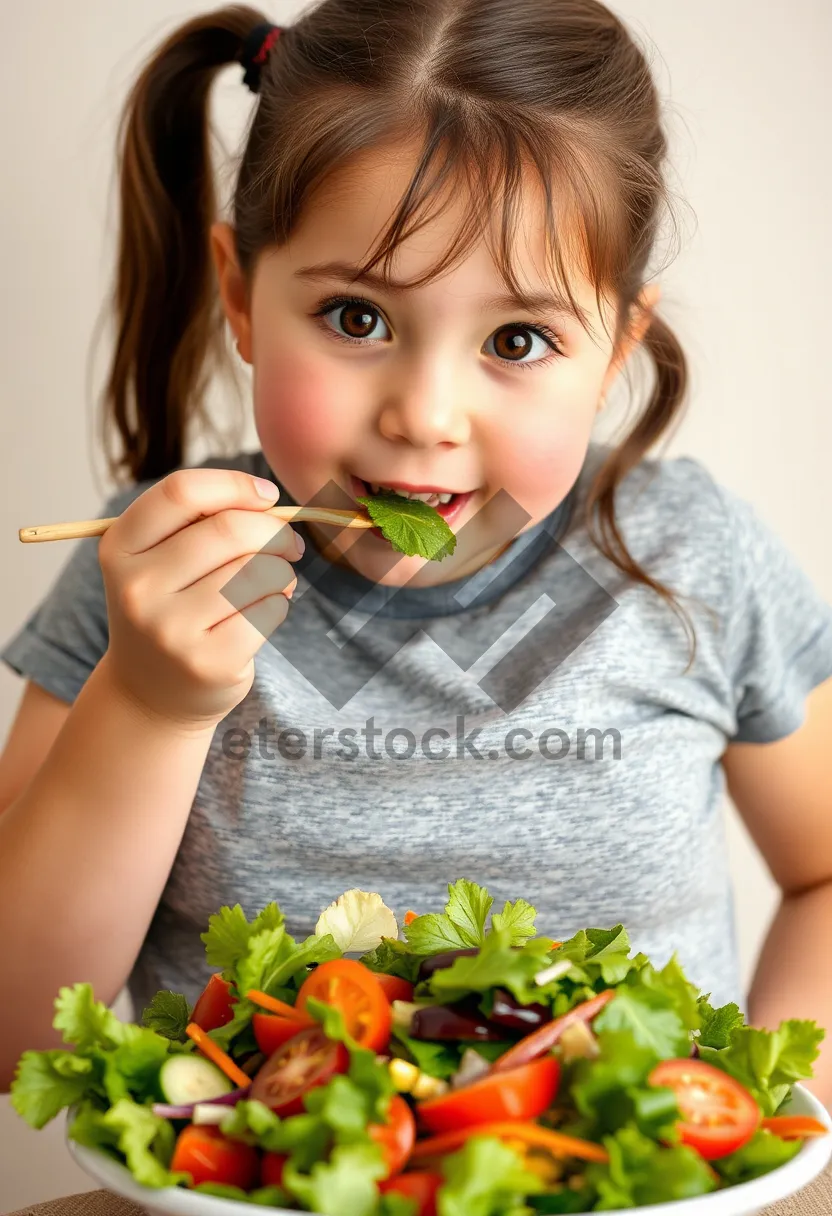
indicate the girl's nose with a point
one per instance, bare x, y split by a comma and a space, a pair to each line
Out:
426, 409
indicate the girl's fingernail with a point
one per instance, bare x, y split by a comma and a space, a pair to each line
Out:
266, 489
301, 544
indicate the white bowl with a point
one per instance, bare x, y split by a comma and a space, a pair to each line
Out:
748, 1199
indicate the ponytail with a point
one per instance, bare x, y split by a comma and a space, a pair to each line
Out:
663, 409
166, 305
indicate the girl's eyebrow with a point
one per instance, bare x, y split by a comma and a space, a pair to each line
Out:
546, 301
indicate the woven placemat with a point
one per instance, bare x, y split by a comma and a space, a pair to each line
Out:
815, 1200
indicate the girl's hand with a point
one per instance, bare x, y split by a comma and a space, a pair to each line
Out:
179, 648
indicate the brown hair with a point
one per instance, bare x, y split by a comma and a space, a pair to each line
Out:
494, 87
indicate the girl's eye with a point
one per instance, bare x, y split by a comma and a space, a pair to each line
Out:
355, 320
513, 342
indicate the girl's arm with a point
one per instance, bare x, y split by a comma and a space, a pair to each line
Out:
783, 791
85, 851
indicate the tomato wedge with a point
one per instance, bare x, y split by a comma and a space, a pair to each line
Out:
355, 990
307, 1060
397, 1136
215, 1005
718, 1115
795, 1127
420, 1185
272, 1031
209, 1156
523, 1093
395, 989
531, 1134
542, 1040
271, 1169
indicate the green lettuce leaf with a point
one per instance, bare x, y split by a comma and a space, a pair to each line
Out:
229, 932
344, 1183
86, 1023
411, 527
436, 1059
144, 1140
168, 1014
518, 918
718, 1024
612, 1090
46, 1082
768, 1062
485, 1178
647, 1013
393, 957
497, 964
763, 1153
641, 1172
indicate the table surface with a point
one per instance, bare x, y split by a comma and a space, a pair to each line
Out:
814, 1200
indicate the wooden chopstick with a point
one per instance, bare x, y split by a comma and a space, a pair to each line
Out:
97, 527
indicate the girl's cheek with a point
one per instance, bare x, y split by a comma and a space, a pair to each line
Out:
298, 414
538, 468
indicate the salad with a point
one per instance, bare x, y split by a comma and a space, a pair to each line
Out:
458, 1064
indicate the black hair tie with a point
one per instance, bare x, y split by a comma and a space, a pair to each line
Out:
255, 52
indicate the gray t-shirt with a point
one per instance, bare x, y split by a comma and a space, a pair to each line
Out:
532, 728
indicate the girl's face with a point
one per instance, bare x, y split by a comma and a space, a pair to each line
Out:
445, 388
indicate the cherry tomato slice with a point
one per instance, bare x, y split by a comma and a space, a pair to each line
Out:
397, 1136
355, 990
795, 1127
209, 1156
718, 1115
272, 1031
395, 989
271, 1169
420, 1185
215, 1006
307, 1060
523, 1093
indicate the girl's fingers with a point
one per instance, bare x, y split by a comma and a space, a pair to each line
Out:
211, 544
242, 634
181, 498
234, 588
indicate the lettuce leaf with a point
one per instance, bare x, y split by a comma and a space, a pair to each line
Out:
717, 1024
486, 1178
168, 1014
768, 1062
144, 1140
641, 1172
612, 1090
763, 1153
497, 964
344, 1183
46, 1082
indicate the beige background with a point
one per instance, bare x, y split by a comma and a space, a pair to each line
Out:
751, 102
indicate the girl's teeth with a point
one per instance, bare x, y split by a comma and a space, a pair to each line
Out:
432, 498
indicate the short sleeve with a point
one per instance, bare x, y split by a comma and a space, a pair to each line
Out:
63, 640
779, 634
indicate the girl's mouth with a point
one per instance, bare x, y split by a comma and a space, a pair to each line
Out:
448, 503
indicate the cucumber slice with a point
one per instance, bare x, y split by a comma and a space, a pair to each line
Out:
188, 1079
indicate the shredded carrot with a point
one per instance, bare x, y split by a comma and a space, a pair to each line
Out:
529, 1133
217, 1056
275, 1006
409, 917
794, 1127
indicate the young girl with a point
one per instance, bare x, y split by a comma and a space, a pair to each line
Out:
437, 268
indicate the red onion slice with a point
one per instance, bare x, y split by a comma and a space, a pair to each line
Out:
166, 1111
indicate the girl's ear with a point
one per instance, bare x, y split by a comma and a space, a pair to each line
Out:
232, 284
